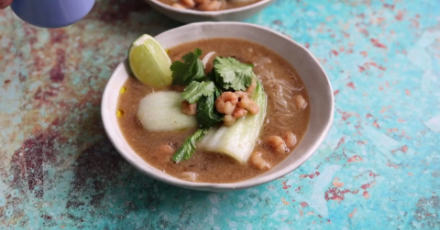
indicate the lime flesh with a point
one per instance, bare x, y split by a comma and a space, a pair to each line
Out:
149, 62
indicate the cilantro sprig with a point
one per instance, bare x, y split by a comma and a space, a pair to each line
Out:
191, 69
195, 90
230, 74
189, 146
207, 116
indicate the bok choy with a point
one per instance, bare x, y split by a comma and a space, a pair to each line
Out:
238, 140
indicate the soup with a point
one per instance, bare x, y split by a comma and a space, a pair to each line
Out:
208, 5
287, 117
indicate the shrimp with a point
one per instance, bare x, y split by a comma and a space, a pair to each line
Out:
178, 6
290, 139
188, 3
226, 103
249, 105
239, 112
238, 104
277, 144
166, 149
164, 152
258, 162
300, 102
188, 109
210, 5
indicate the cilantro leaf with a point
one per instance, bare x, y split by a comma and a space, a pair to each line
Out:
195, 90
189, 146
204, 93
191, 69
230, 74
206, 114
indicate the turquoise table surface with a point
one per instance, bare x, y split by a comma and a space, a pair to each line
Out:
379, 167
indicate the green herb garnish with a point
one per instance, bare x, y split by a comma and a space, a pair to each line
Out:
230, 74
195, 90
191, 69
204, 94
189, 146
206, 114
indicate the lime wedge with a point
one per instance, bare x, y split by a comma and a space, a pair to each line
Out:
149, 62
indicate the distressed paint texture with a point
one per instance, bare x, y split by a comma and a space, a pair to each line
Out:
378, 168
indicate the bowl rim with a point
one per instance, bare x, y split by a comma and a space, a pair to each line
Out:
210, 13
242, 184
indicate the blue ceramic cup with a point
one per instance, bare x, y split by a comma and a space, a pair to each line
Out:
52, 13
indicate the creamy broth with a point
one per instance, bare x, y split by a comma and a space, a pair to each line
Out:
281, 84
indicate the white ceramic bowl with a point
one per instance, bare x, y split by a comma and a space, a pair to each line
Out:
306, 65
187, 15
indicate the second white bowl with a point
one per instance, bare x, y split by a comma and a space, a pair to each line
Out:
187, 15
